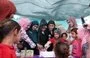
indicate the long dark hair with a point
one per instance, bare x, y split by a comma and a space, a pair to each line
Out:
7, 27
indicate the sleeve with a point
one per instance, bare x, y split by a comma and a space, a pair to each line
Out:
51, 40
77, 47
27, 39
39, 37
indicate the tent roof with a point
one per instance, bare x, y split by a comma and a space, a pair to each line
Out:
53, 9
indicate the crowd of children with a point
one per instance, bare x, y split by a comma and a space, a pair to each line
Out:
17, 35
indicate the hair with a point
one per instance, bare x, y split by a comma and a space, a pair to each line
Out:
74, 30
7, 27
61, 50
64, 34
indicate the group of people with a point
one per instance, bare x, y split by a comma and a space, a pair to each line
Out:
16, 35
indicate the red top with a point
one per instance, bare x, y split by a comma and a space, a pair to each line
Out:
77, 50
63, 40
7, 51
52, 40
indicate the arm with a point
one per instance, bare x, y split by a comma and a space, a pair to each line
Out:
27, 39
47, 45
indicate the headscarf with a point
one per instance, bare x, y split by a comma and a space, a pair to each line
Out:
24, 22
43, 22
51, 22
7, 8
72, 19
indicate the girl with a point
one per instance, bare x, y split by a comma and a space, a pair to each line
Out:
61, 50
76, 44
9, 35
54, 39
64, 38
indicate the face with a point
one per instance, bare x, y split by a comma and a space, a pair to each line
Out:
73, 34
70, 23
35, 27
87, 22
56, 35
44, 28
27, 26
64, 36
51, 26
17, 36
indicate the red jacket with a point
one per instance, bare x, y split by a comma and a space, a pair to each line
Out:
7, 51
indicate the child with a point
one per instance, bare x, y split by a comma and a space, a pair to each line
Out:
76, 44
61, 50
9, 35
64, 38
54, 39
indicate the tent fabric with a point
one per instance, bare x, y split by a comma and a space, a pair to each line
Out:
53, 9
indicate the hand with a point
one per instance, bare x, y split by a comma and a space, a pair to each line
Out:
20, 46
39, 46
46, 46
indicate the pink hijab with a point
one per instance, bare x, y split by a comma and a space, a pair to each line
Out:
73, 20
24, 23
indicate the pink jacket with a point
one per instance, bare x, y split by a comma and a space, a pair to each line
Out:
76, 50
85, 35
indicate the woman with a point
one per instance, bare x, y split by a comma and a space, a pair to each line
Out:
25, 24
9, 35
50, 31
32, 32
84, 34
42, 34
7, 9
72, 23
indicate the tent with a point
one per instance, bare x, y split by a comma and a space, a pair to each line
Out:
53, 9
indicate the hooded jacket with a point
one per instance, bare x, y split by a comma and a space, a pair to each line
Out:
42, 36
33, 34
